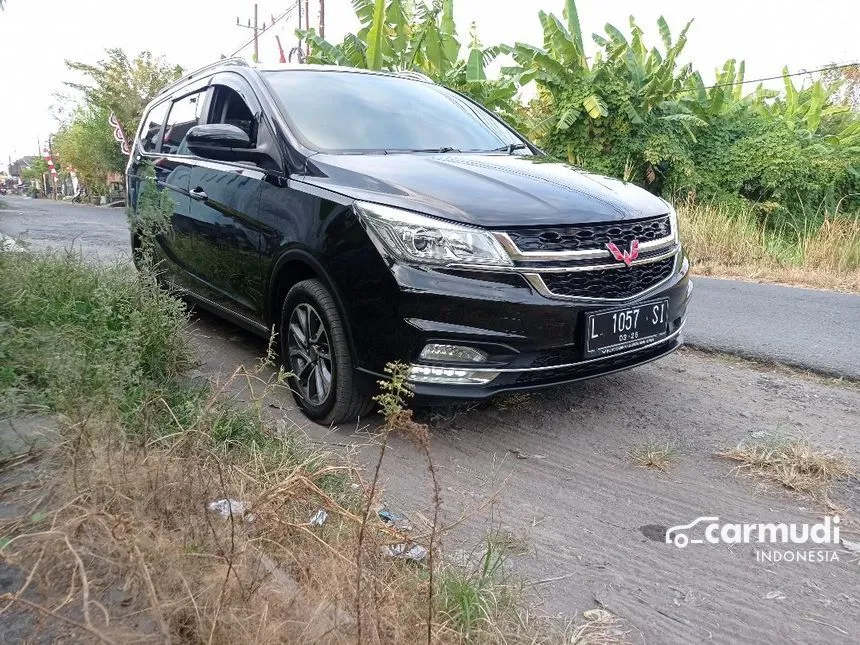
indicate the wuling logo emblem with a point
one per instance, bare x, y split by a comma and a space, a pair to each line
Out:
626, 257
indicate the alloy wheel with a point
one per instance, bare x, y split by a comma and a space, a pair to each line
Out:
310, 354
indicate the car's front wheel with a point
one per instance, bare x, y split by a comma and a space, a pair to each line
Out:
315, 352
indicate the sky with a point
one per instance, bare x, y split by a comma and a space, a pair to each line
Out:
36, 36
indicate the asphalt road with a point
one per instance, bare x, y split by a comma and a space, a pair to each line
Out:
805, 328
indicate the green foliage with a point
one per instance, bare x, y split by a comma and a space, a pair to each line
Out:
35, 171
399, 35
73, 334
152, 214
633, 111
117, 84
394, 393
123, 85
86, 143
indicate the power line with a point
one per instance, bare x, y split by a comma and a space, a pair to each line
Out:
265, 29
776, 78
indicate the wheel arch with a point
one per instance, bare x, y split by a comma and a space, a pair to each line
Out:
291, 268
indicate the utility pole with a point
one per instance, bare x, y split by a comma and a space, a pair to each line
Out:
322, 18
307, 27
256, 29
299, 6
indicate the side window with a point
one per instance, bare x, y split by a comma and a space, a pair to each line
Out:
152, 128
184, 115
229, 107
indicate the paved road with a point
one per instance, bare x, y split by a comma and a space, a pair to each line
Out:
99, 233
816, 330
804, 328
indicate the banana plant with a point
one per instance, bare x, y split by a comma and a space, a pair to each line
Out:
624, 78
398, 35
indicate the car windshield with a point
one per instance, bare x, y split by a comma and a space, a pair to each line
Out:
353, 112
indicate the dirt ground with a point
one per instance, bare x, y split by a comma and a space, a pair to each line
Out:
553, 474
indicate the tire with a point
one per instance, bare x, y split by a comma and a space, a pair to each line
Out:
315, 352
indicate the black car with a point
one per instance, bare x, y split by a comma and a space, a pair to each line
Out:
370, 217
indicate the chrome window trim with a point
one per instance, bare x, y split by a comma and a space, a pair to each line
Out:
590, 254
544, 368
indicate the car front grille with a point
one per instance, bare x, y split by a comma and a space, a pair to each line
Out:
609, 283
587, 237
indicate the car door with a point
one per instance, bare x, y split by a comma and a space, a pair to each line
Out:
225, 202
173, 167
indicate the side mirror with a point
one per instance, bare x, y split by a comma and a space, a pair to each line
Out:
219, 141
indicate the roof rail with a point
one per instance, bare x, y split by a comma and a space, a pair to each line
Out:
187, 77
415, 76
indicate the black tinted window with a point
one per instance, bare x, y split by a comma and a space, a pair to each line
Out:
152, 127
229, 107
184, 115
342, 111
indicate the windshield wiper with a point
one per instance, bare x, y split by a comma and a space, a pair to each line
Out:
439, 150
510, 148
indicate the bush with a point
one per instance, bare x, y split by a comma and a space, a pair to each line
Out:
74, 334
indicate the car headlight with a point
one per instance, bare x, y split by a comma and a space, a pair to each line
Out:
416, 238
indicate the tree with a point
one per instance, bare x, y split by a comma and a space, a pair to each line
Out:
401, 35
117, 84
35, 171
845, 80
618, 113
87, 145
123, 85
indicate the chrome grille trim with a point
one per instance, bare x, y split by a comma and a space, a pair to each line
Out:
537, 282
568, 269
590, 254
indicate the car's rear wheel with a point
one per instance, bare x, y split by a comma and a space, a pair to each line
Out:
315, 352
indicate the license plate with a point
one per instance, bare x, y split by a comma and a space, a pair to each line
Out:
616, 330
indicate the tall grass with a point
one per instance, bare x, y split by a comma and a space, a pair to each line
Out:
123, 546
78, 335
723, 241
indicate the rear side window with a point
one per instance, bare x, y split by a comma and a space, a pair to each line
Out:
184, 115
152, 127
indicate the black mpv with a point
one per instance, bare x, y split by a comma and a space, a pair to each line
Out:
372, 217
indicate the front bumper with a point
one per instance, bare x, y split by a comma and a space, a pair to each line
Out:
531, 341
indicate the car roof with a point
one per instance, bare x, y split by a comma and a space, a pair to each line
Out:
242, 63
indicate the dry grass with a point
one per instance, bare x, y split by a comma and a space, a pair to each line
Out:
794, 463
599, 627
734, 244
655, 455
120, 544
514, 401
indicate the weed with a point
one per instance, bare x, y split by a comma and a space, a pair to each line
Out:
825, 253
470, 596
599, 627
514, 401
795, 463
145, 450
657, 455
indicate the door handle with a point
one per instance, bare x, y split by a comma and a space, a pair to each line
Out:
199, 194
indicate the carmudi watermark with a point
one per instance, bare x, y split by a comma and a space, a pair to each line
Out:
780, 542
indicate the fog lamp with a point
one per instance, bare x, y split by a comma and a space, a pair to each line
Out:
452, 353
448, 375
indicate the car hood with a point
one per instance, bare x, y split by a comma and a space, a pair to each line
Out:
494, 191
